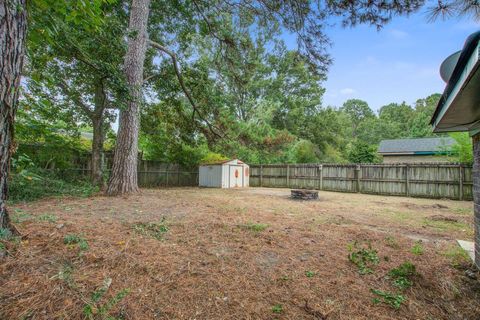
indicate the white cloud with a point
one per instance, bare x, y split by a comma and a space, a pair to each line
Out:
347, 91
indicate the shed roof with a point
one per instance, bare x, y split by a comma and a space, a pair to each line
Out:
415, 146
218, 162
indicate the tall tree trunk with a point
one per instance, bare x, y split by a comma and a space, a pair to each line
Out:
123, 178
97, 118
13, 26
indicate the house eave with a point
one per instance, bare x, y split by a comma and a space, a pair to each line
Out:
458, 109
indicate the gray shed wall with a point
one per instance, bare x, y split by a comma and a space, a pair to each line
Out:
210, 176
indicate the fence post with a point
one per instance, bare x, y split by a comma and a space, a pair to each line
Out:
288, 176
460, 173
320, 173
407, 180
357, 178
166, 178
261, 175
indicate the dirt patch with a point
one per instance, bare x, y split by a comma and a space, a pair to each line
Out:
180, 254
440, 217
415, 206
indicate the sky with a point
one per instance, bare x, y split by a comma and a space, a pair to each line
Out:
399, 63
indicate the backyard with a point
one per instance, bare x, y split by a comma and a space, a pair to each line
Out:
190, 253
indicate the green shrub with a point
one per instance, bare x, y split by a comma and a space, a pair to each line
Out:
47, 184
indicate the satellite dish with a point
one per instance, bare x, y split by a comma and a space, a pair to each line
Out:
448, 65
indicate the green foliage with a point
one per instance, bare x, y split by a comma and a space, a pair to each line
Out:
278, 308
94, 309
363, 256
462, 150
417, 248
212, 157
47, 184
361, 152
402, 275
305, 152
393, 300
74, 239
151, 229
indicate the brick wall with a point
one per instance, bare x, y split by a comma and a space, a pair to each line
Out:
476, 195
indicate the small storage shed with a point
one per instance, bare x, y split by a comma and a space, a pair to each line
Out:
226, 174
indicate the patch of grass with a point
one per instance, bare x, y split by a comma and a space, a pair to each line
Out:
446, 225
457, 256
417, 248
48, 217
391, 242
73, 239
391, 299
363, 256
94, 309
2, 247
255, 227
463, 211
402, 275
309, 274
151, 229
399, 216
278, 308
20, 216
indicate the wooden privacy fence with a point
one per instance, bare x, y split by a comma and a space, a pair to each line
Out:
156, 174
428, 180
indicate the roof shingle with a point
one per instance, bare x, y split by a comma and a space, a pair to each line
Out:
415, 145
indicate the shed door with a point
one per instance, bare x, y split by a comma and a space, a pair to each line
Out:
235, 176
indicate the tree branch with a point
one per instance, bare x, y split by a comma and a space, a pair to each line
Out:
185, 90
66, 91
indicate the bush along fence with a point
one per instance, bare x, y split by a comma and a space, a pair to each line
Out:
155, 174
427, 180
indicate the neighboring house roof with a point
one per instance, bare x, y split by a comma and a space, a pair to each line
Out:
421, 146
458, 109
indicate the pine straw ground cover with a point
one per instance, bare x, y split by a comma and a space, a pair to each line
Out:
238, 254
